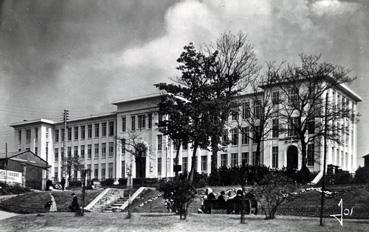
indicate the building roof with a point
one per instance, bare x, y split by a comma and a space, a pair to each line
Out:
91, 116
155, 95
26, 157
33, 121
345, 89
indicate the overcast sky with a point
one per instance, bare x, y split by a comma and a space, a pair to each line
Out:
84, 54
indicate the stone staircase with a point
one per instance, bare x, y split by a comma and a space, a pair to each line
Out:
117, 204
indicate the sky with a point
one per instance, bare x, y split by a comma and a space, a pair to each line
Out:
82, 55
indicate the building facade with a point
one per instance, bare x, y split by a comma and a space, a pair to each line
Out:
102, 143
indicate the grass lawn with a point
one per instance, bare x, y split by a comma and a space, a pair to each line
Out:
167, 222
34, 202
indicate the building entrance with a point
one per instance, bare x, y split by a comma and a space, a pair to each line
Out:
292, 158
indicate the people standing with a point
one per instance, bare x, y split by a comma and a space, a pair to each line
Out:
74, 207
62, 182
53, 204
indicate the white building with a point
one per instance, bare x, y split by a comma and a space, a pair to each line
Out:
101, 141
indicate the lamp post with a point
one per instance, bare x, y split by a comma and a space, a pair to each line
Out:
324, 160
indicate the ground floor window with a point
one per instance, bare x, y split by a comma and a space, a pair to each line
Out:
123, 169
245, 158
110, 170
103, 169
204, 163
275, 157
223, 160
159, 166
234, 159
255, 158
310, 155
184, 164
96, 171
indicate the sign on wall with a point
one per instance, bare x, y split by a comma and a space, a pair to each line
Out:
10, 176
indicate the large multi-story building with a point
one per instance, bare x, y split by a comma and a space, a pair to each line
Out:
102, 142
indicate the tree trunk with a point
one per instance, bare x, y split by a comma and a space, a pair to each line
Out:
193, 162
303, 153
214, 151
176, 160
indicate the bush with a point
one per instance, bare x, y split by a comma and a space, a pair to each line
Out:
108, 182
76, 183
362, 175
122, 181
200, 180
303, 176
342, 177
6, 189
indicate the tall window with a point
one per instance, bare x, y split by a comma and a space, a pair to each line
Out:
310, 155
223, 160
245, 135
103, 129
245, 110
275, 128
110, 170
103, 171
141, 122
123, 146
274, 157
124, 124
69, 152
293, 94
111, 128
28, 136
36, 150
96, 171
123, 169
159, 166
111, 149
275, 98
150, 120
184, 164
56, 135
62, 153
234, 133
255, 158
20, 136
76, 133
69, 133
89, 173
83, 132
56, 155
311, 126
245, 158
160, 142
234, 159
103, 150
89, 151
97, 130
257, 109
89, 131
36, 134
133, 122
75, 151
160, 118
184, 145
234, 114
82, 151
56, 173
292, 127
204, 163
96, 146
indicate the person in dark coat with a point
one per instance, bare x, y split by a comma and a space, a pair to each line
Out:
62, 182
74, 207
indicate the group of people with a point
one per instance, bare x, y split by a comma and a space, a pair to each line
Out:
51, 186
232, 200
74, 206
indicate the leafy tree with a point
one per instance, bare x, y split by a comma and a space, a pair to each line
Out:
71, 163
303, 90
192, 87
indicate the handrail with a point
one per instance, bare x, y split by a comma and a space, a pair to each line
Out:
94, 201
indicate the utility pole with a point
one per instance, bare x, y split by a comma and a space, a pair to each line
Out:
324, 159
64, 161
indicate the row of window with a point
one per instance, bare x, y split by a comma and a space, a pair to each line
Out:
83, 153
28, 135
138, 122
94, 172
79, 132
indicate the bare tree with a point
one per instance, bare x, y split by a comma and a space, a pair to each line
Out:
303, 91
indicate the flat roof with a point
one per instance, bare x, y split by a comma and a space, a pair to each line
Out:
155, 95
33, 121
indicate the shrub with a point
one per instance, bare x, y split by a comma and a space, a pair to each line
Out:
303, 176
76, 183
122, 181
342, 177
362, 175
6, 189
200, 180
108, 182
